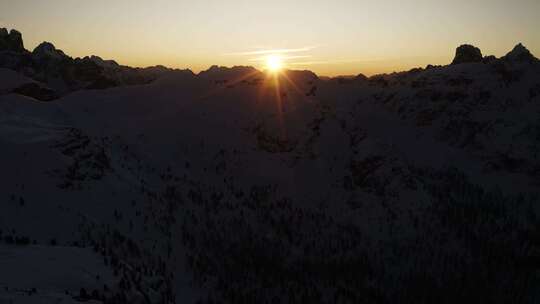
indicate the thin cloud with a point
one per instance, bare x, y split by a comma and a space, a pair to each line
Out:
334, 62
274, 51
370, 61
282, 57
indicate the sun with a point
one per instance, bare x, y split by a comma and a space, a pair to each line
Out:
274, 63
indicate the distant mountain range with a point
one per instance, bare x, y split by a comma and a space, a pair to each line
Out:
59, 73
55, 73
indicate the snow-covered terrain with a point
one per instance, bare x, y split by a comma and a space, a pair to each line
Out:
12, 80
237, 186
51, 274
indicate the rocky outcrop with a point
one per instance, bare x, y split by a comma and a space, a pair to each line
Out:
63, 74
520, 54
467, 54
489, 59
11, 41
300, 77
47, 51
226, 73
361, 77
36, 91
103, 63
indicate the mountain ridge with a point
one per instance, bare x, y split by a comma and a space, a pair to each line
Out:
62, 74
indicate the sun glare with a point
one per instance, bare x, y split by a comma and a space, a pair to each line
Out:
274, 63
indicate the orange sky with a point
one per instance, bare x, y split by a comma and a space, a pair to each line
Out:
328, 37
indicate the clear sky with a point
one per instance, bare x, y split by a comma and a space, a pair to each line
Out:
329, 37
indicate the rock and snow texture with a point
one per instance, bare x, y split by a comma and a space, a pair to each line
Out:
62, 74
10, 80
47, 51
237, 187
13, 82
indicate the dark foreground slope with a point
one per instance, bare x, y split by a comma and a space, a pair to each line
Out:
234, 186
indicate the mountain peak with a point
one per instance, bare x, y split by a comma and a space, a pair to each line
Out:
11, 41
520, 54
228, 72
101, 62
467, 53
48, 50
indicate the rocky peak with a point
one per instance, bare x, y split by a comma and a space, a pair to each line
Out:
520, 54
466, 54
301, 76
11, 41
226, 73
361, 77
103, 63
46, 50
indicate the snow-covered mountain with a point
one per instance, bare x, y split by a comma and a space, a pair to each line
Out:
63, 74
237, 186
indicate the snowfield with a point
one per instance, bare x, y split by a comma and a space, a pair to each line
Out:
46, 274
12, 80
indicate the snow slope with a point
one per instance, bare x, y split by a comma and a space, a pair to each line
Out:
44, 274
11, 80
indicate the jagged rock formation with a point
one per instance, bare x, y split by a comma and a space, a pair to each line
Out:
467, 54
489, 59
13, 82
225, 74
37, 91
11, 41
48, 52
63, 74
520, 54
99, 61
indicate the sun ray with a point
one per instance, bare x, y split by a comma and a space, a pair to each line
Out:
279, 103
295, 87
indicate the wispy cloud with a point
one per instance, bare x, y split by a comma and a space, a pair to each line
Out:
286, 57
317, 62
272, 51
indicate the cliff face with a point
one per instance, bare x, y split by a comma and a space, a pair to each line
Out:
11, 41
467, 54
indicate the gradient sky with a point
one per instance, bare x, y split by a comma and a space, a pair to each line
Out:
329, 37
